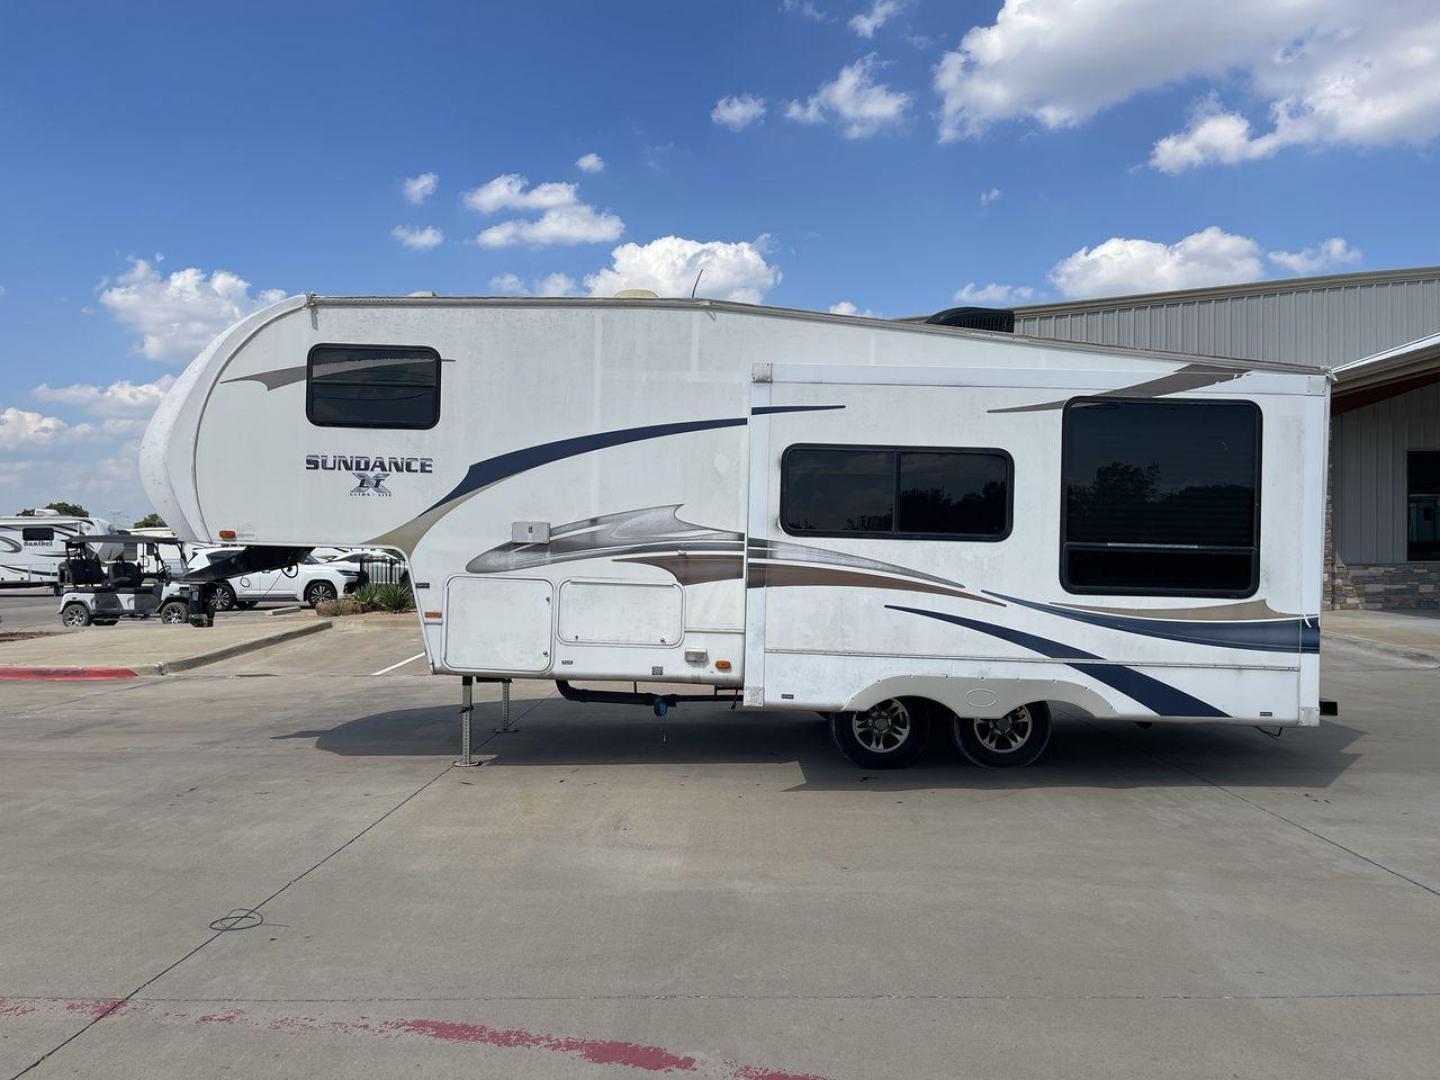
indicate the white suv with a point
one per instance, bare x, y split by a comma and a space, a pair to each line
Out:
313, 580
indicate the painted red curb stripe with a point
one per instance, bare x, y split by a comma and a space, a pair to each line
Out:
66, 674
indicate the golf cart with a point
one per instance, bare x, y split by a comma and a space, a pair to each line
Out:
104, 593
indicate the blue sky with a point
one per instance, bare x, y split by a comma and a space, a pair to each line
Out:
1124, 145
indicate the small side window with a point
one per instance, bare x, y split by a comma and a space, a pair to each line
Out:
34, 535
896, 492
373, 386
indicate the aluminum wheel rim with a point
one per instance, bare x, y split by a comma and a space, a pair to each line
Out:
74, 617
172, 616
224, 599
322, 592
883, 729
1006, 734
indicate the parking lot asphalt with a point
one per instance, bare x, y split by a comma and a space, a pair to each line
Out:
39, 609
28, 609
716, 893
374, 644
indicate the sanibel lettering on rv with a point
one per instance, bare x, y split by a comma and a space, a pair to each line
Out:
899, 524
378, 463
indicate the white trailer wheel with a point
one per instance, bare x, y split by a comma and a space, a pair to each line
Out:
888, 735
1011, 741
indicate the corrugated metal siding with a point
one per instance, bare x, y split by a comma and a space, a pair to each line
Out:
1368, 448
1320, 325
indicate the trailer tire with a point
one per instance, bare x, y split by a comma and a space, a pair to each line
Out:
888, 735
224, 597
174, 612
317, 592
75, 614
1011, 741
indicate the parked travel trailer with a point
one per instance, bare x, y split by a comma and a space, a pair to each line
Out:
32, 548
898, 524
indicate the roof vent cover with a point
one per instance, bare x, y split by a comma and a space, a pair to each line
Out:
996, 320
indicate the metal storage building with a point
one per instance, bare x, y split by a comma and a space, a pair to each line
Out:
1379, 334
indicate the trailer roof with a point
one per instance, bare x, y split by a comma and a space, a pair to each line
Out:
735, 307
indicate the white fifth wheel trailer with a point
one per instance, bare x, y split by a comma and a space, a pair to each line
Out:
32, 547
893, 523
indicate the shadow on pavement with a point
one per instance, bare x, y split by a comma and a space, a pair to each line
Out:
1083, 753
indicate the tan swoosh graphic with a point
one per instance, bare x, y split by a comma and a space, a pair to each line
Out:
782, 575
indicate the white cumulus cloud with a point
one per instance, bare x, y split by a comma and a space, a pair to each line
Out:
21, 429
120, 399
580, 224
419, 188
1324, 72
669, 266
565, 219
1121, 265
806, 9
1327, 255
513, 192
846, 307
590, 163
178, 315
556, 284
994, 294
866, 23
738, 111
418, 239
854, 101
988, 197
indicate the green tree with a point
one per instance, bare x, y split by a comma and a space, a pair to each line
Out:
151, 520
68, 508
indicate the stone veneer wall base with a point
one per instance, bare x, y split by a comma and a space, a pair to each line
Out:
1382, 586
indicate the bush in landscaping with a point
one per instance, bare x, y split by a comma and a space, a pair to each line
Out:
367, 594
370, 597
394, 598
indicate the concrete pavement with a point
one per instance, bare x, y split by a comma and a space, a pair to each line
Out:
28, 610
1407, 633
148, 647
716, 893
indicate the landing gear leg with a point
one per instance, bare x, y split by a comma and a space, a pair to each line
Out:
505, 728
467, 706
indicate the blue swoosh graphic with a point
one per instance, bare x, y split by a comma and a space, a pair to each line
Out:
493, 470
1160, 698
1274, 635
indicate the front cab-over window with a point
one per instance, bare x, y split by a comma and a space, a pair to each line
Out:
373, 386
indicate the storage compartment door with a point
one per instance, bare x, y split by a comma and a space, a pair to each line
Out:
620, 613
497, 624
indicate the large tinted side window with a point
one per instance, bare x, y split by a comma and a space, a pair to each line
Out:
895, 492
373, 386
1161, 498
32, 534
